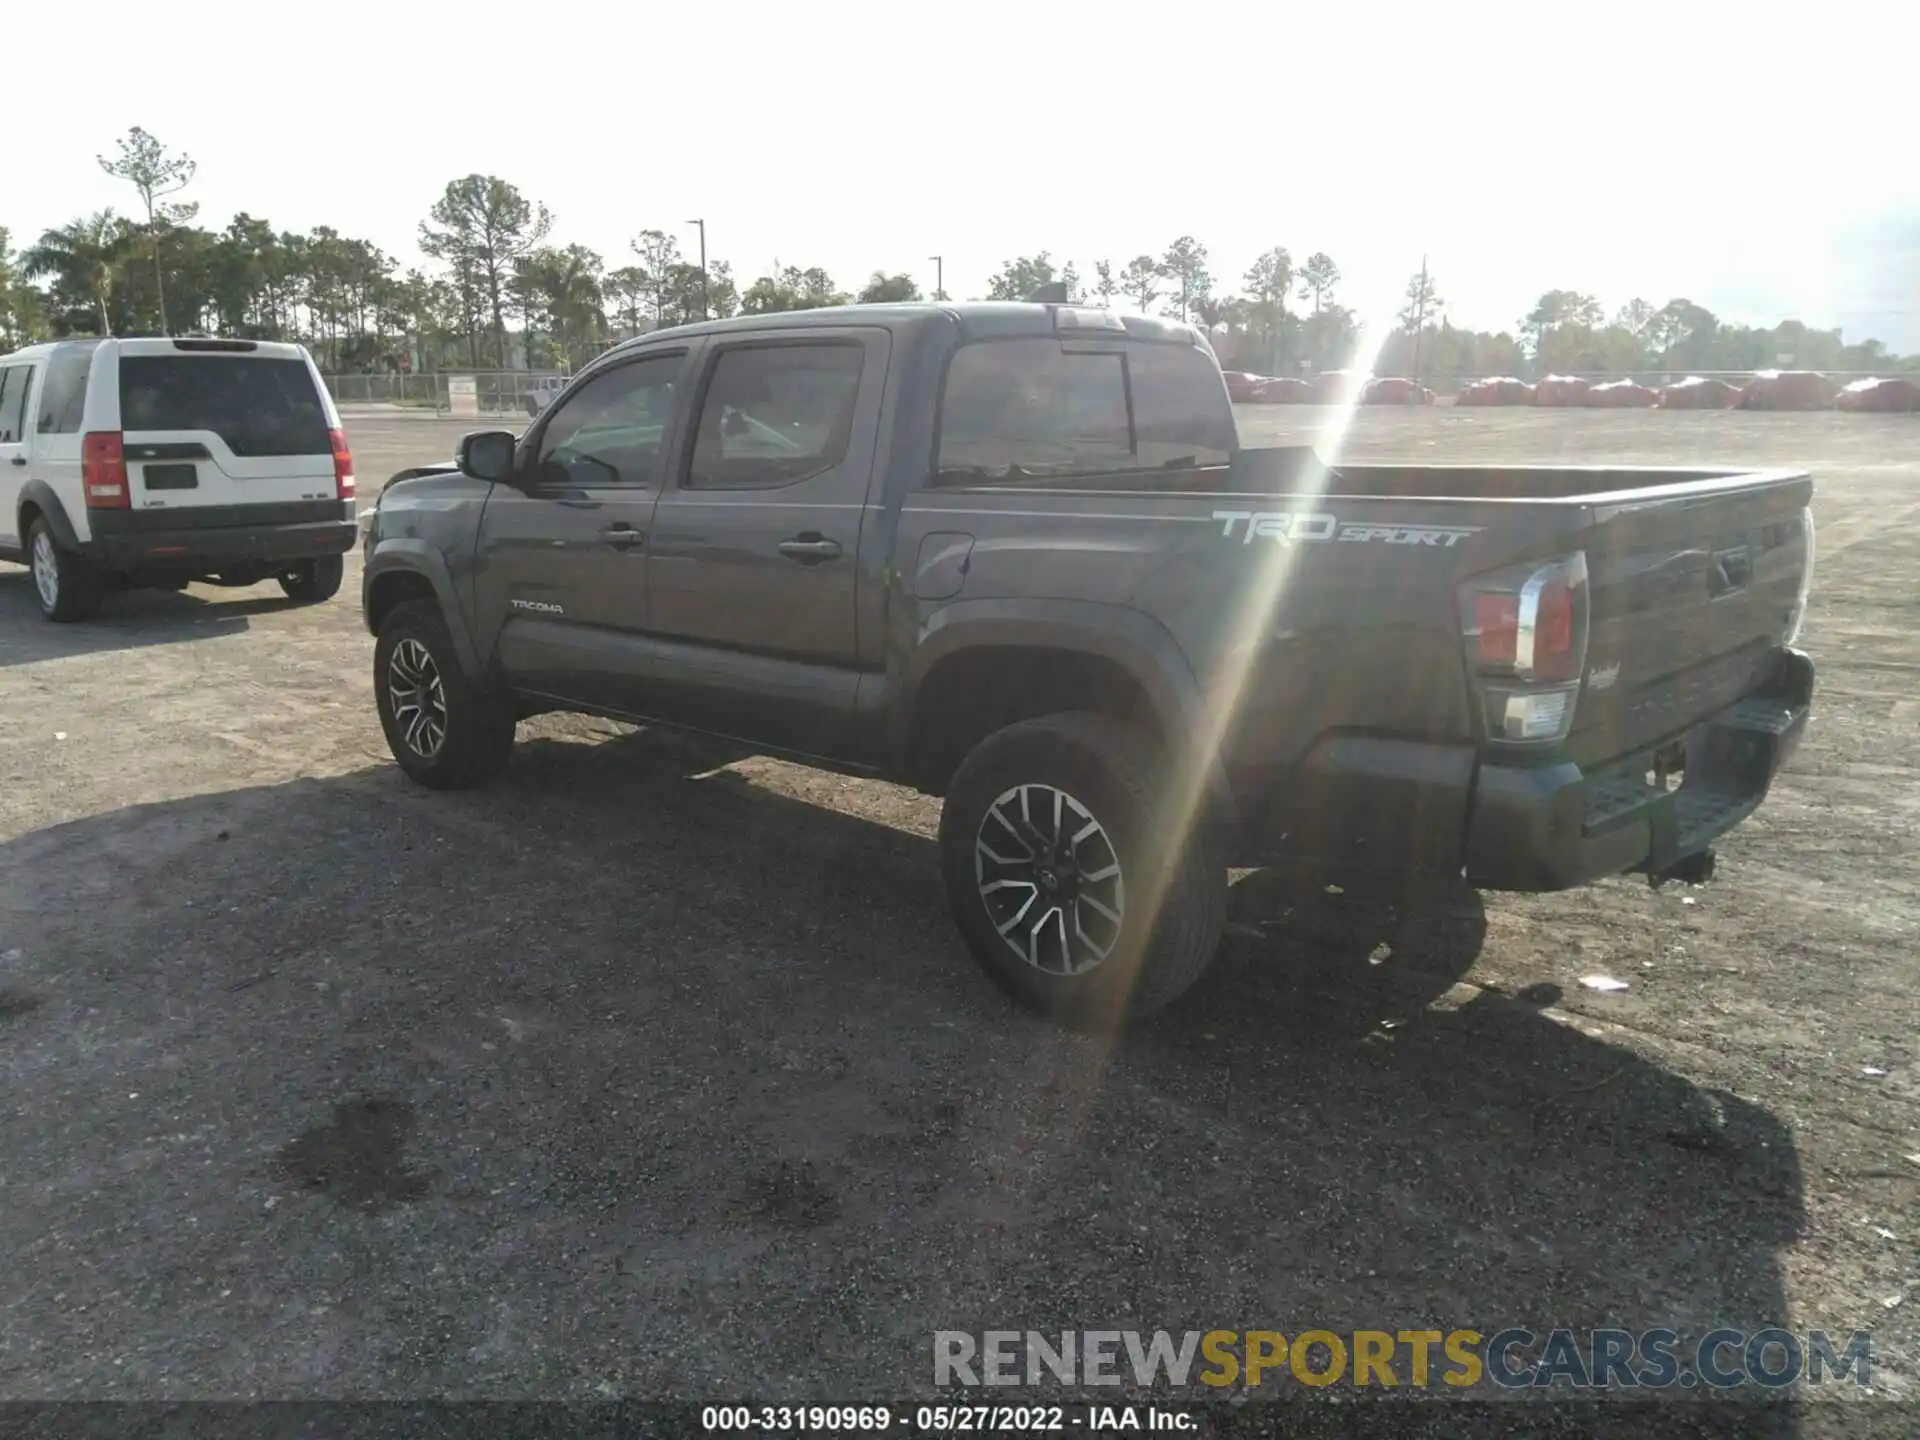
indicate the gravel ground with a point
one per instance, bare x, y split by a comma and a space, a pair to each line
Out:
658, 1071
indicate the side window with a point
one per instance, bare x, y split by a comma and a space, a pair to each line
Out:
776, 414
1039, 406
614, 429
13, 380
63, 391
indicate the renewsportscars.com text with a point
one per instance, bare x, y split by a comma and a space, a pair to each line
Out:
1512, 1358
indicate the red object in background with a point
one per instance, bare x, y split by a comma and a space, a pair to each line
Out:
1339, 387
1622, 395
1699, 392
1788, 390
1395, 390
1561, 390
1283, 390
1893, 396
1502, 390
1241, 386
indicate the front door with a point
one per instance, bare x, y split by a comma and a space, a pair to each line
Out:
562, 565
756, 562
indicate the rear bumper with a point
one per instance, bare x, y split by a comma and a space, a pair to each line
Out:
1365, 803
181, 542
1554, 827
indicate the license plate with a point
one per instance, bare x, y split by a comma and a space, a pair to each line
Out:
172, 477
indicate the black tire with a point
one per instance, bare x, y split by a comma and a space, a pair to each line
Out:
312, 581
77, 588
477, 726
1111, 772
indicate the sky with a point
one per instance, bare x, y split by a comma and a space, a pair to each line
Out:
1754, 160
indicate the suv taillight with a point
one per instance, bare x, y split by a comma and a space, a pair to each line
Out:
103, 471
342, 465
1525, 630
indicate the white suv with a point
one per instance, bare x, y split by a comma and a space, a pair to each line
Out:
541, 392
127, 463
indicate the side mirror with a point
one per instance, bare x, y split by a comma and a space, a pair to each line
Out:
486, 455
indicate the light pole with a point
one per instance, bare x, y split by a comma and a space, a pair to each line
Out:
939, 277
706, 301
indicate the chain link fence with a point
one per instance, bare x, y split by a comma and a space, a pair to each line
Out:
495, 392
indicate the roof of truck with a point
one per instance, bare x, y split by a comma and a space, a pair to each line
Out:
975, 319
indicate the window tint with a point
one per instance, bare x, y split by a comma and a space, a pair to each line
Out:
63, 393
613, 430
256, 406
1046, 407
13, 387
775, 414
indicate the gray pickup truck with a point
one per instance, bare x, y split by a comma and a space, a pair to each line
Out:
1014, 555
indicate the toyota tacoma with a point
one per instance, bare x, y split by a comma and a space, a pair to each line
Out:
1016, 556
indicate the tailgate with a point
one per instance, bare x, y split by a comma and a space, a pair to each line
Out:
1692, 596
223, 429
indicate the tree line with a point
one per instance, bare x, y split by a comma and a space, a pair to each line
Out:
500, 293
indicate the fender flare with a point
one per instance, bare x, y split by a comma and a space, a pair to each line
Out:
1132, 639
41, 496
404, 555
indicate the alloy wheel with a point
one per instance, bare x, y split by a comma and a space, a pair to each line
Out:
418, 698
1050, 878
46, 570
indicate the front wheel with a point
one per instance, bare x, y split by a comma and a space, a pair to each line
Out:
1067, 875
312, 581
445, 733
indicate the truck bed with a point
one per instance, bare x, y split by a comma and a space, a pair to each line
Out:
1307, 595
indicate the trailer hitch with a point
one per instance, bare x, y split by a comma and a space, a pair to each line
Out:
1694, 869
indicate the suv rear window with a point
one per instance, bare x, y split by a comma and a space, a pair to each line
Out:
257, 406
63, 393
1043, 407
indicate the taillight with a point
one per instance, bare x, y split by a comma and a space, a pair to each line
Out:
342, 465
1797, 618
1525, 630
103, 471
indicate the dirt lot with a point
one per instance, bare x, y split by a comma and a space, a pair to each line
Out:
657, 1072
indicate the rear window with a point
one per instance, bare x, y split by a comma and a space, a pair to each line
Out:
257, 406
15, 381
1043, 407
63, 394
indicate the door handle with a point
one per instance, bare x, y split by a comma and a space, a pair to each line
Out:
19, 459
623, 537
809, 548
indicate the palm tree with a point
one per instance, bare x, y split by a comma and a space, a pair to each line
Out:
84, 257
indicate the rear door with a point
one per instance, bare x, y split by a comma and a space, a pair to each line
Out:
16, 391
213, 423
755, 564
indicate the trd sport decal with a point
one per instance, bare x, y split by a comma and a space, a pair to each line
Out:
1283, 527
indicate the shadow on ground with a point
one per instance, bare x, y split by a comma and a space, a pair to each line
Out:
129, 620
630, 1074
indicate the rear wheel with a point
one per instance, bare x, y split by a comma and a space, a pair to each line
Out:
443, 731
1055, 843
67, 587
312, 581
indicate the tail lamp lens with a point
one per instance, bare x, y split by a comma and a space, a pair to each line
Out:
1525, 631
342, 465
103, 470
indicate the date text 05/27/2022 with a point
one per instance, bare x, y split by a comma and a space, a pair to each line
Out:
948, 1419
